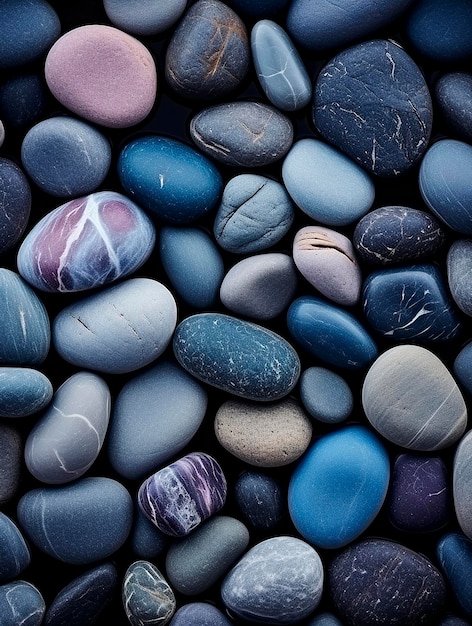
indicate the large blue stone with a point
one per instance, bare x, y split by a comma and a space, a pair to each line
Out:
454, 552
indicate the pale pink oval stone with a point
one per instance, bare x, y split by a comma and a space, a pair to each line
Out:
103, 75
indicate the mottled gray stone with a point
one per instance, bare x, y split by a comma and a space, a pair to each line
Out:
278, 581
65, 442
459, 274
21, 604
411, 399
327, 260
11, 460
198, 561
462, 484
261, 286
148, 599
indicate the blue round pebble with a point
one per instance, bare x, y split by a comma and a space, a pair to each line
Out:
454, 552
21, 603
15, 203
15, 554
325, 395
23, 391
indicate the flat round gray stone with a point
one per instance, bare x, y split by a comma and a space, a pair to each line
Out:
411, 399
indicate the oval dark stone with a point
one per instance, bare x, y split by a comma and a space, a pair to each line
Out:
11, 462
15, 203
260, 499
372, 102
453, 94
459, 268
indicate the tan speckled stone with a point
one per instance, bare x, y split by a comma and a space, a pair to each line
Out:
269, 435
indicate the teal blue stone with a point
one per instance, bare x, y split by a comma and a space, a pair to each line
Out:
330, 333
237, 356
454, 552
339, 486
171, 180
193, 264
23, 391
24, 322
410, 304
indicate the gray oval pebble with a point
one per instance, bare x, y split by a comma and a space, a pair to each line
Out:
459, 271
21, 603
325, 395
247, 134
147, 596
23, 391
144, 17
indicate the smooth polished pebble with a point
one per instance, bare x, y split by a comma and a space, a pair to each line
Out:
459, 268
59, 254
386, 133
352, 471
147, 596
462, 367
21, 603
11, 461
196, 562
103, 75
169, 179
193, 264
279, 67
461, 482
119, 329
330, 333
24, 322
68, 437
454, 552
444, 183
28, 28
453, 97
388, 583
325, 395
82, 522
264, 435
327, 260
278, 581
23, 391
155, 414
419, 498
410, 398
147, 541
15, 203
208, 54
180, 496
392, 235
201, 613
24, 99
144, 17
260, 287
84, 598
242, 133
255, 213
15, 555
411, 303
320, 26
260, 500
66, 157
325, 184
236, 356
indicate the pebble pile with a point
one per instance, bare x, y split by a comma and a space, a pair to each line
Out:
235, 312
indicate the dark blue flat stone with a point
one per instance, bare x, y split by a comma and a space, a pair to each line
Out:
330, 333
260, 499
15, 203
410, 304
15, 554
453, 93
372, 102
454, 552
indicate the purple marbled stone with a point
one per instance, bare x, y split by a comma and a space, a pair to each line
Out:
85, 243
178, 497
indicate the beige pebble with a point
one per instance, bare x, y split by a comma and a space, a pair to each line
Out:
269, 435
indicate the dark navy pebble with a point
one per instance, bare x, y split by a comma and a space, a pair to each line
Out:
459, 273
11, 461
15, 554
199, 614
410, 304
83, 599
453, 620
462, 367
21, 603
15, 203
260, 500
23, 391
420, 498
147, 541
258, 8
392, 235
453, 93
454, 552
23, 100
388, 584
208, 55
372, 102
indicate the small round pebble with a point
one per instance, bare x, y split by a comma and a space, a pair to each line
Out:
200, 560
147, 541
260, 287
260, 499
255, 213
15, 204
462, 367
24, 99
11, 462
21, 603
263, 435
461, 484
278, 581
84, 598
201, 613
144, 17
453, 92
103, 75
325, 395
23, 391
15, 555
459, 268
388, 584
147, 596
66, 157
411, 399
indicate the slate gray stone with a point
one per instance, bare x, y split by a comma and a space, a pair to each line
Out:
453, 92
15, 555
11, 461
147, 596
21, 603
459, 273
325, 395
201, 613
461, 483
147, 541
144, 18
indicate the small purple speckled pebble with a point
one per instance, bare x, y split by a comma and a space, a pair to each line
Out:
178, 497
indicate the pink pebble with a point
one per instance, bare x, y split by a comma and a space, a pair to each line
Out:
103, 75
